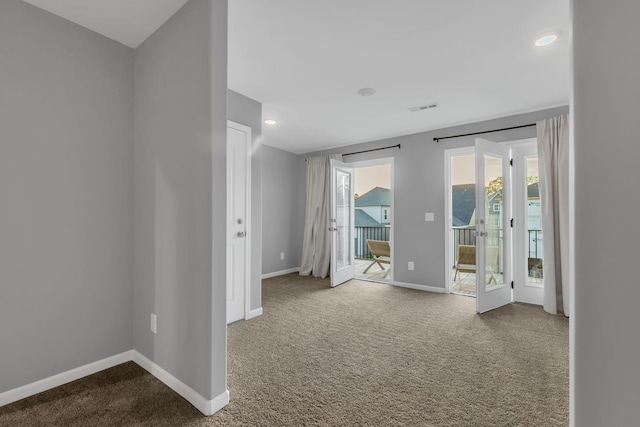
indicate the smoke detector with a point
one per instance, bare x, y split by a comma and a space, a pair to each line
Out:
367, 91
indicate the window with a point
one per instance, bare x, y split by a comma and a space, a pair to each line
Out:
497, 207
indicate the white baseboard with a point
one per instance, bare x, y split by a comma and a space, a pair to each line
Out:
420, 287
45, 384
280, 273
217, 403
255, 313
207, 407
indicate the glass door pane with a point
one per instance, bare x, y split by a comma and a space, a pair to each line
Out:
494, 218
533, 214
527, 227
341, 225
343, 215
493, 238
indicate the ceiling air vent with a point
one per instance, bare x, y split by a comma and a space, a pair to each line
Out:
424, 107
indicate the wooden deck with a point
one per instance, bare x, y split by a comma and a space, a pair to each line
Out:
375, 273
465, 283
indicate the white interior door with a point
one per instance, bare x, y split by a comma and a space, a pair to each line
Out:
527, 228
238, 181
341, 223
493, 251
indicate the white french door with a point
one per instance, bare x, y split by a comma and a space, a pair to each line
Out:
493, 237
341, 223
527, 228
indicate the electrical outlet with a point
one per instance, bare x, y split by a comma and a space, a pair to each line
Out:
154, 323
410, 265
281, 255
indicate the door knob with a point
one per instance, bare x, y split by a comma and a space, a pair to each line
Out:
241, 234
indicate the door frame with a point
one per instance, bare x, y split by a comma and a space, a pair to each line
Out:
448, 154
381, 162
248, 239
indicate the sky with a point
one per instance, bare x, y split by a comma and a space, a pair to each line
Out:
369, 177
463, 169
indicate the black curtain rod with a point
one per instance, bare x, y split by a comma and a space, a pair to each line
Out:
486, 131
373, 149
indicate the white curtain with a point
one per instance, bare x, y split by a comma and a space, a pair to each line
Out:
553, 164
316, 241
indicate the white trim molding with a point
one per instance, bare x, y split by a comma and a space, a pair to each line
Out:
207, 407
255, 313
62, 378
280, 273
217, 403
427, 288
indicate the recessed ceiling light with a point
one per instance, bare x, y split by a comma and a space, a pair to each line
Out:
548, 38
270, 122
367, 91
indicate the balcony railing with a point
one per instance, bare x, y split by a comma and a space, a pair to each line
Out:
461, 236
535, 243
362, 234
466, 236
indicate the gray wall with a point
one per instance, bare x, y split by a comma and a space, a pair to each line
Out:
248, 112
606, 66
66, 191
180, 109
419, 188
280, 205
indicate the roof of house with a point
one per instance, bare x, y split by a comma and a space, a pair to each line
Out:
463, 203
363, 219
457, 222
376, 197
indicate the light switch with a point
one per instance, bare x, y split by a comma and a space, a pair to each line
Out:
428, 216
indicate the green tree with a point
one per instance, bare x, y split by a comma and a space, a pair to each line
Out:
495, 186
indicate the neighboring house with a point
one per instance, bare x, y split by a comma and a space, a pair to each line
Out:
463, 204
376, 203
534, 208
363, 219
534, 219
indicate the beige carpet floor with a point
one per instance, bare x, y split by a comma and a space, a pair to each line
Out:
364, 354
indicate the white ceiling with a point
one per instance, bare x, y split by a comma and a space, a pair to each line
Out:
128, 21
306, 60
